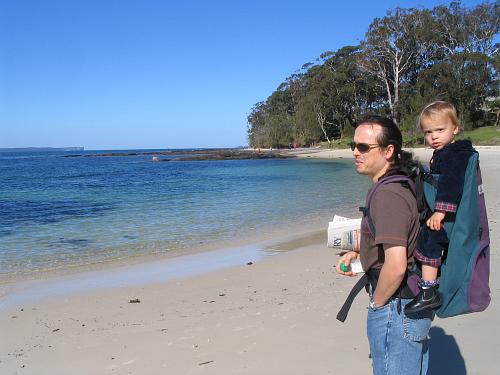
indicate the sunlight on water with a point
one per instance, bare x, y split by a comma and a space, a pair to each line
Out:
59, 211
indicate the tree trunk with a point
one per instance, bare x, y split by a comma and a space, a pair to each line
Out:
321, 117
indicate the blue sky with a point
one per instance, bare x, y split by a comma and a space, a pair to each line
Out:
158, 74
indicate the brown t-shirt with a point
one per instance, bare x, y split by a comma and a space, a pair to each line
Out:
394, 214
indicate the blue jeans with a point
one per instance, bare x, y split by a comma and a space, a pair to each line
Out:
398, 344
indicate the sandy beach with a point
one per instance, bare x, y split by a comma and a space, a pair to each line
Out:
264, 312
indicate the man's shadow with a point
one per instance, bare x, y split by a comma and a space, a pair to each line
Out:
444, 355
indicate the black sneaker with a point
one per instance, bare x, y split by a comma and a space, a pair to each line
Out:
426, 299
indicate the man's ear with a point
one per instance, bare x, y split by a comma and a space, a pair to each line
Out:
389, 152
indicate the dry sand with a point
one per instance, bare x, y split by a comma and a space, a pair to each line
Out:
274, 316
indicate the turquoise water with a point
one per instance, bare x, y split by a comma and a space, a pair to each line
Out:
59, 212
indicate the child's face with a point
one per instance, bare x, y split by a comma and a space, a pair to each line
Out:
438, 131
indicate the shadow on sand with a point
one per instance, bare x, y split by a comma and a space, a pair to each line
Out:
444, 355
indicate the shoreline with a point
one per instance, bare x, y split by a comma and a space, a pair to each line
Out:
274, 316
266, 238
149, 269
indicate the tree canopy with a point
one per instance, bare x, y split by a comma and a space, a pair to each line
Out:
407, 59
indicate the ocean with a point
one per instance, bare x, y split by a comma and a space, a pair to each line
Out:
59, 212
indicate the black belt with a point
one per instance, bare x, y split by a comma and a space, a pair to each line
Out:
371, 278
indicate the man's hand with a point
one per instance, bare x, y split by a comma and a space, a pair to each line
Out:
347, 258
434, 222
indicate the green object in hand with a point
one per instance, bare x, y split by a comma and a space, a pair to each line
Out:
343, 267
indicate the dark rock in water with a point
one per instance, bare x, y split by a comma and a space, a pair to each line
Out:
108, 154
210, 154
234, 155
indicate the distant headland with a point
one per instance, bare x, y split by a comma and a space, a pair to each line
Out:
37, 149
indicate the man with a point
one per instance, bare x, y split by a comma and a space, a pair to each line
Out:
398, 343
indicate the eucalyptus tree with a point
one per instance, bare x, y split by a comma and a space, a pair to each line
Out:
317, 99
391, 52
309, 130
271, 123
280, 118
463, 60
408, 58
257, 130
354, 91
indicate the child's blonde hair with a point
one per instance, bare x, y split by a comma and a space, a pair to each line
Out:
439, 108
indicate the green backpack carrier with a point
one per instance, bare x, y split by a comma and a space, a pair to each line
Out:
465, 269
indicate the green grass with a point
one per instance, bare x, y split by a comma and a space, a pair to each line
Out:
488, 135
339, 143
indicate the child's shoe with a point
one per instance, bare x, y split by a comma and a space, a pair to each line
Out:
427, 298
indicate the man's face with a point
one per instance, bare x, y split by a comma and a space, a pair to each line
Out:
372, 163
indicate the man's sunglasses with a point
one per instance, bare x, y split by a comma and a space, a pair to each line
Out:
363, 147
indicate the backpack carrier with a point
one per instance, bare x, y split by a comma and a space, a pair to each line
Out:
464, 272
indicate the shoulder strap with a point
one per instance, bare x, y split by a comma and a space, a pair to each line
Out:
395, 178
423, 177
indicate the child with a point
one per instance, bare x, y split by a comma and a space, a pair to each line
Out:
439, 123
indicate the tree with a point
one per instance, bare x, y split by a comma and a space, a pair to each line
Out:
482, 25
256, 130
353, 92
462, 69
391, 51
409, 58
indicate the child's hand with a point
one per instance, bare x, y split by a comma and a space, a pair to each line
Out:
434, 222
